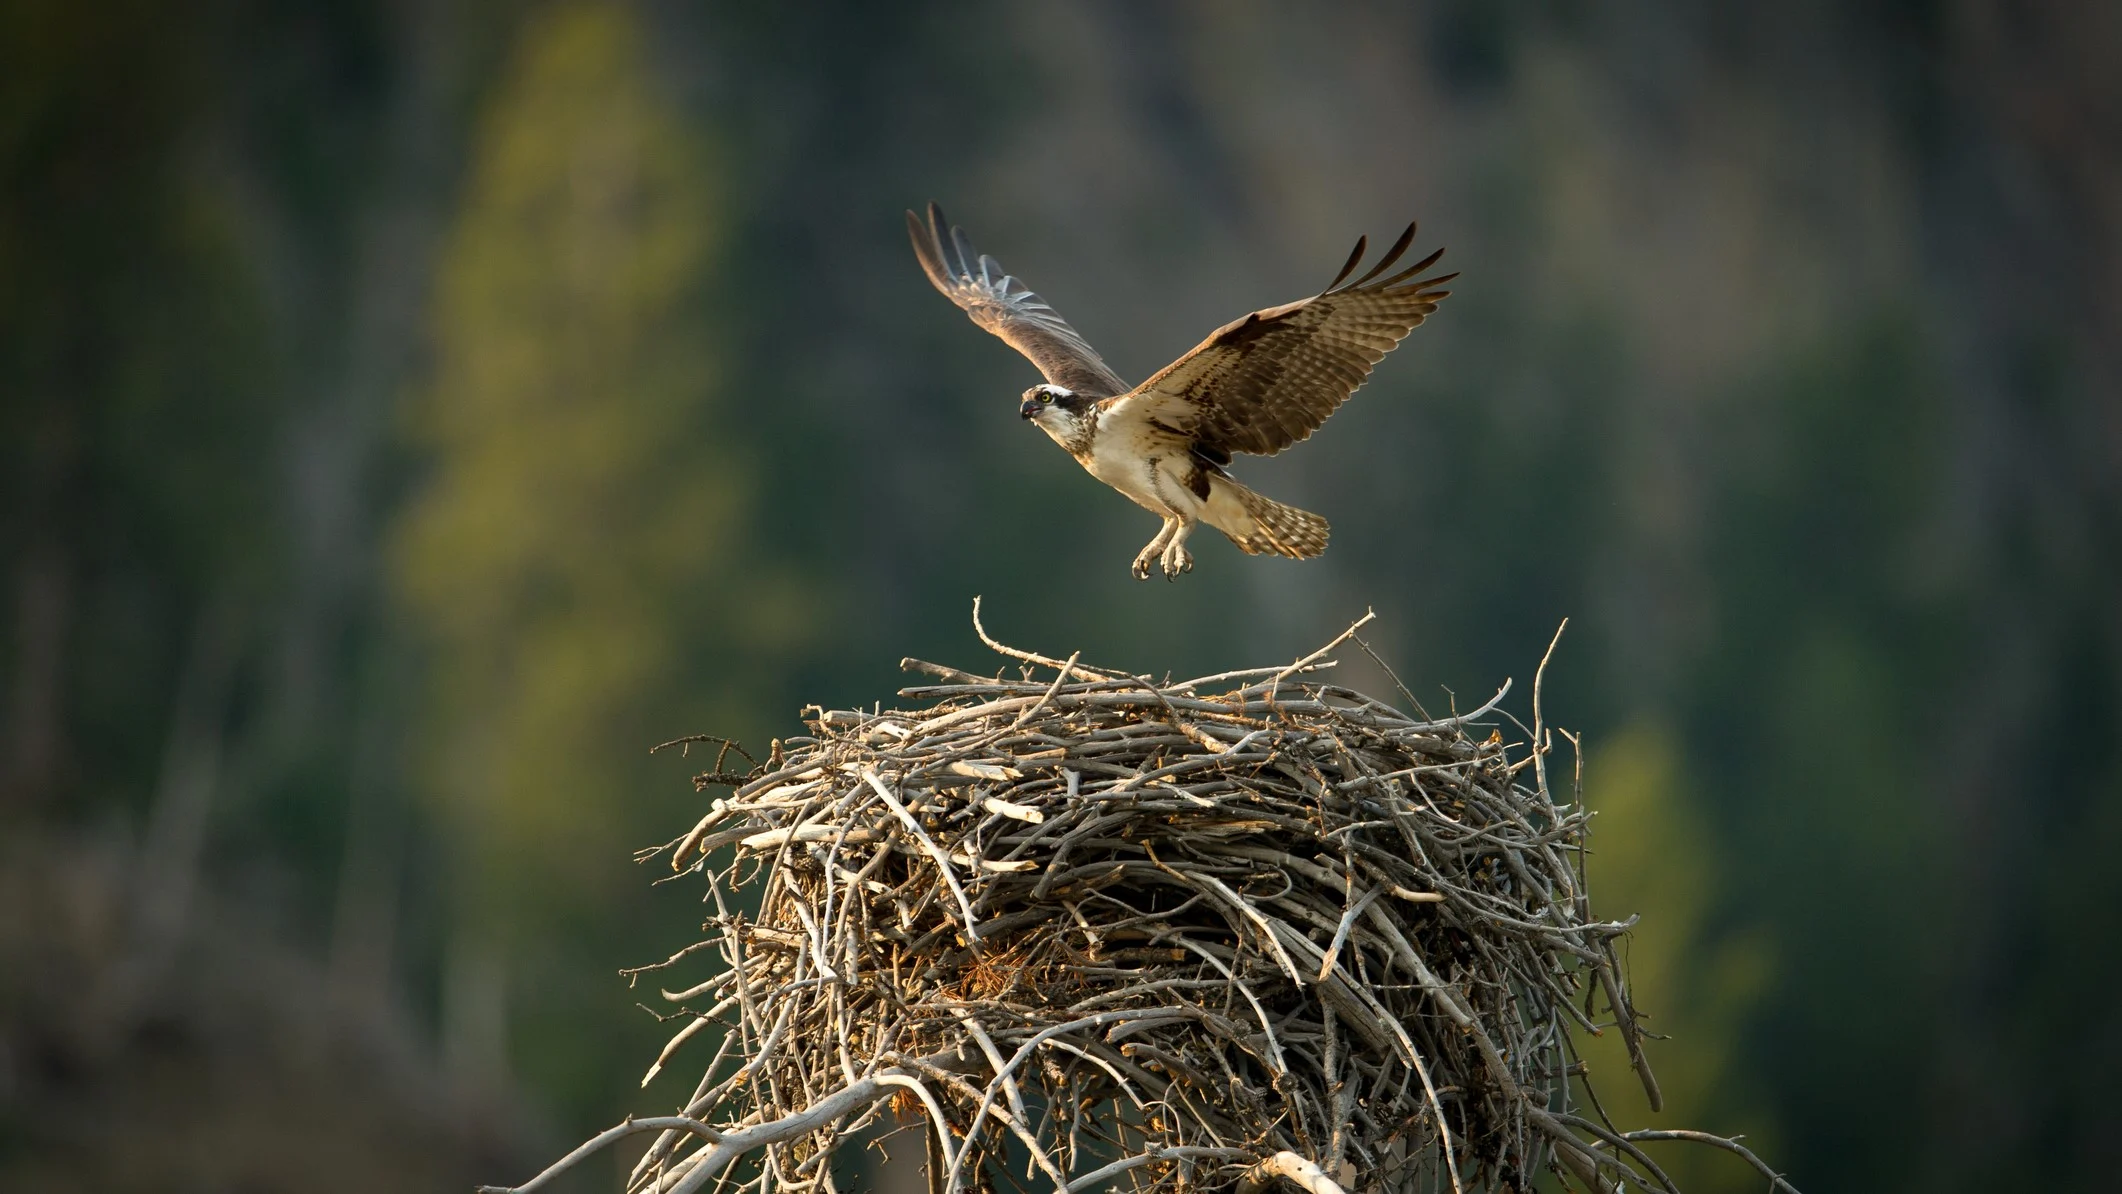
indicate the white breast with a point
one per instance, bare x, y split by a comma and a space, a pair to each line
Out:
1138, 462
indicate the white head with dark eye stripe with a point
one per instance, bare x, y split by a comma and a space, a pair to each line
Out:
1061, 413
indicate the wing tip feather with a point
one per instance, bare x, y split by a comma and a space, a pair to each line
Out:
1355, 258
1391, 255
927, 249
1414, 269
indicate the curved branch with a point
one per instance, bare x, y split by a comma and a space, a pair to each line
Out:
604, 1140
1035, 657
1092, 1179
1724, 1142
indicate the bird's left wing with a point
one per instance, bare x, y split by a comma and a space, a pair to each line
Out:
1008, 308
1268, 380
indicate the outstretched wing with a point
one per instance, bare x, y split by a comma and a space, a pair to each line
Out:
1004, 306
1268, 380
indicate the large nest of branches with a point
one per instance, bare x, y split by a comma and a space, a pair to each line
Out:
1080, 929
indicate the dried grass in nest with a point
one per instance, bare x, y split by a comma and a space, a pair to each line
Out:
1087, 930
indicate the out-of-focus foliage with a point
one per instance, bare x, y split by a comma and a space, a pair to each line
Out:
1651, 849
409, 413
573, 569
186, 351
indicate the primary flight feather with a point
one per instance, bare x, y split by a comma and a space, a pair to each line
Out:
1256, 386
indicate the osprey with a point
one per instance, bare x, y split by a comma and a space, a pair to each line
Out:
1255, 386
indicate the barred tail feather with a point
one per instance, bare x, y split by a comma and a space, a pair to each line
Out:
1263, 526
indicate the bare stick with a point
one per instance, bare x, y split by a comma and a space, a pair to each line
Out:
1098, 1176
1727, 1143
1028, 656
604, 1140
1321, 653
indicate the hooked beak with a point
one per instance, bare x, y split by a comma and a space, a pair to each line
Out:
1030, 409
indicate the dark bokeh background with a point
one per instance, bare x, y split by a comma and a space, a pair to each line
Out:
411, 412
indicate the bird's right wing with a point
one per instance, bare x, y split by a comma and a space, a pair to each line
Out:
1006, 307
1268, 380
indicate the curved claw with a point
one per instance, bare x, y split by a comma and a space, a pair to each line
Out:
1176, 560
1165, 552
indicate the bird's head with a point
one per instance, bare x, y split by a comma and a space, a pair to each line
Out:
1056, 410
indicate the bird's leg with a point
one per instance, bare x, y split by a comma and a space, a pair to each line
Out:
1155, 548
1176, 558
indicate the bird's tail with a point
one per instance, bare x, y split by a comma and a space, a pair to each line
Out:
1263, 526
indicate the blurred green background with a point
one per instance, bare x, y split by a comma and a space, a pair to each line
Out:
410, 412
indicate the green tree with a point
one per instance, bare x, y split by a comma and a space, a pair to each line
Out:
571, 567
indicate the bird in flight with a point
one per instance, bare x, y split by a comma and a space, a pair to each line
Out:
1256, 386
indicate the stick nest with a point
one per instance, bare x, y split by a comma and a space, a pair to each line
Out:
1090, 930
